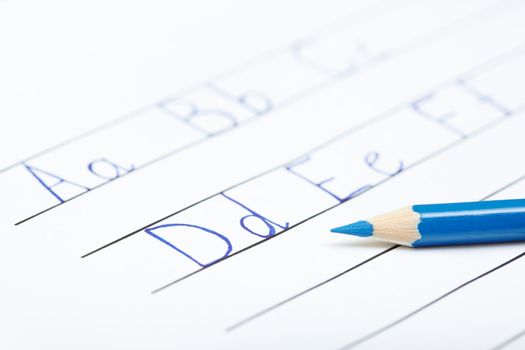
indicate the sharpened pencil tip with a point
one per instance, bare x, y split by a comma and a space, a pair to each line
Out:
359, 228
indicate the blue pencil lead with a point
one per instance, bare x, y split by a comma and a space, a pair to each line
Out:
359, 228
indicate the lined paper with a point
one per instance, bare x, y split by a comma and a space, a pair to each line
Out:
166, 188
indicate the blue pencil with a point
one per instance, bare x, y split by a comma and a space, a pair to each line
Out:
446, 224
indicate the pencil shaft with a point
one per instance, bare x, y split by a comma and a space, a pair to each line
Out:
471, 223
446, 224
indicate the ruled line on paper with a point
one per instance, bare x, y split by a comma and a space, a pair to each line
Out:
306, 291
422, 308
510, 340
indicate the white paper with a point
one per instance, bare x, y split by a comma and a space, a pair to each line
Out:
169, 173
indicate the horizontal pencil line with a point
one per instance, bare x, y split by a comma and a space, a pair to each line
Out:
418, 310
295, 296
509, 341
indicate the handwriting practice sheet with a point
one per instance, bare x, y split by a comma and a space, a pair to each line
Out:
170, 172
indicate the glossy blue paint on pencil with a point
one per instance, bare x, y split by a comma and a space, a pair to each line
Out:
446, 224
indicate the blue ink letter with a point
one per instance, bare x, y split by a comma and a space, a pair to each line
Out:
151, 230
270, 224
210, 122
40, 174
117, 170
320, 184
371, 160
